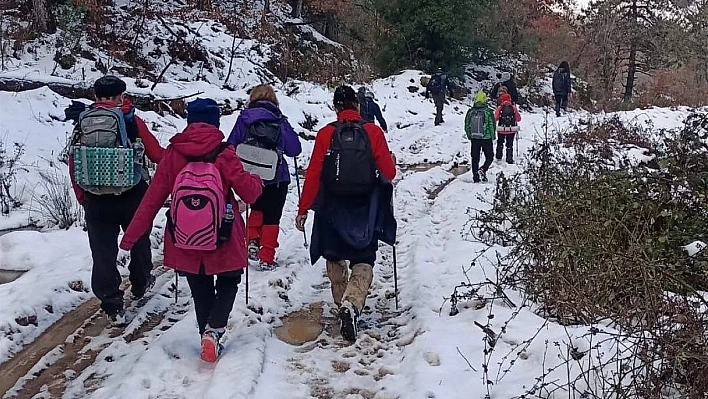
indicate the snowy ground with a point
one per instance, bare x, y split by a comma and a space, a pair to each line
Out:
417, 351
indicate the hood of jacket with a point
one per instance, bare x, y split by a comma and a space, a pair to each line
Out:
261, 111
197, 140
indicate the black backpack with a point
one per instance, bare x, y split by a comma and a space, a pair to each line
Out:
264, 134
349, 168
507, 116
436, 83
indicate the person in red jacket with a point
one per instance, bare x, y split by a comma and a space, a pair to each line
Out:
348, 292
508, 118
106, 214
212, 302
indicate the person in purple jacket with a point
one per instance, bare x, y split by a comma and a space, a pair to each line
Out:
264, 220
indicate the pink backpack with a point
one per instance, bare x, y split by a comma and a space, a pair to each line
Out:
198, 205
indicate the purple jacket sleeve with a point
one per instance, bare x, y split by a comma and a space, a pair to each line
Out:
291, 141
238, 134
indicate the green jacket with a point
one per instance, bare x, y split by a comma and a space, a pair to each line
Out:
490, 125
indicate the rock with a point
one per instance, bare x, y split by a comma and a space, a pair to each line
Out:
432, 358
25, 321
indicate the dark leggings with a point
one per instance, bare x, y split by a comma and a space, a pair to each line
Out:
271, 203
213, 303
561, 102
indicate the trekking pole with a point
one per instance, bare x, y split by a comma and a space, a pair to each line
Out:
247, 263
299, 194
395, 276
176, 285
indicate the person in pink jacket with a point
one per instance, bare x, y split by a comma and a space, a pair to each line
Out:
508, 118
212, 302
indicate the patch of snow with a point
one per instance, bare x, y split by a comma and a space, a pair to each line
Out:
694, 248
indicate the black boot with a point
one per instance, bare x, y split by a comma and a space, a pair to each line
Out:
500, 149
510, 155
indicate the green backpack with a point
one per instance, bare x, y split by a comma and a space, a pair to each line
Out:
105, 161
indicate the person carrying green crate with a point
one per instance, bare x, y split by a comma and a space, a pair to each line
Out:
108, 174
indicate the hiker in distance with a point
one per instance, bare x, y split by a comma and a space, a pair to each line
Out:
508, 118
263, 125
562, 87
370, 110
438, 85
480, 129
106, 166
205, 236
349, 173
506, 81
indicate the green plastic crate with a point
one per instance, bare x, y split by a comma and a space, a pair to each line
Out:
99, 166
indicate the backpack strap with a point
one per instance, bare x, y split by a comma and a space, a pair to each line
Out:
212, 156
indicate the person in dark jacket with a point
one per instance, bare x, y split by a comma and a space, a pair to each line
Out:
507, 81
371, 110
480, 129
438, 85
107, 214
337, 219
213, 276
562, 87
264, 220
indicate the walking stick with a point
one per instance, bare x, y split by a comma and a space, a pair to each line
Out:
176, 285
395, 276
247, 264
299, 194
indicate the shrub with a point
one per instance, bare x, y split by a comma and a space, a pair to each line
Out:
56, 202
9, 166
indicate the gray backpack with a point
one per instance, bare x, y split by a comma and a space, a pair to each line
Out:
105, 161
476, 124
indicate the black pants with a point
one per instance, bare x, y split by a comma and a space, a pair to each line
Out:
561, 102
485, 146
507, 139
271, 203
439, 100
213, 302
105, 216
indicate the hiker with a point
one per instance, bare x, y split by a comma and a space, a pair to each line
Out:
437, 86
507, 81
562, 87
480, 129
371, 110
341, 186
361, 95
508, 118
204, 234
106, 167
262, 124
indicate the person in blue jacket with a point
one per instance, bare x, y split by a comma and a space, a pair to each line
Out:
370, 110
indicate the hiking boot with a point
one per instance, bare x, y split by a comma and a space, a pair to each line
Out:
349, 317
510, 156
117, 319
211, 348
499, 153
140, 293
475, 178
483, 175
267, 267
253, 248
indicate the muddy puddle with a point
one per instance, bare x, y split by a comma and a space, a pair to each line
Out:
8, 276
302, 326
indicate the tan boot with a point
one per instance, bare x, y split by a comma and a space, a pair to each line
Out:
359, 283
338, 274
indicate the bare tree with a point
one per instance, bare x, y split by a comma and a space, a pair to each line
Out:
42, 18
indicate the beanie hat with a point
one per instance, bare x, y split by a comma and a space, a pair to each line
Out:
505, 97
505, 76
203, 110
480, 98
108, 86
345, 94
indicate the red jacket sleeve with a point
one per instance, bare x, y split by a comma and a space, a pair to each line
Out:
497, 113
311, 186
246, 185
157, 192
382, 155
78, 191
517, 115
153, 149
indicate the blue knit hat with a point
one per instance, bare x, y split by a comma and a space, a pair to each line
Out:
203, 110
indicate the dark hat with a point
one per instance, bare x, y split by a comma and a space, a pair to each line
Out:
108, 86
203, 110
345, 94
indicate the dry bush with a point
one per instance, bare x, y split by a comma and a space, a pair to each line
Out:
593, 242
56, 202
669, 87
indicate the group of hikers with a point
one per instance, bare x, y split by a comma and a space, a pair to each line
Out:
206, 176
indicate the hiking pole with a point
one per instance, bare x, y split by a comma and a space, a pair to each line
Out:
176, 285
395, 276
247, 263
299, 194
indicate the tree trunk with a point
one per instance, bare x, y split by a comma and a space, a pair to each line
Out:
297, 8
631, 73
41, 18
